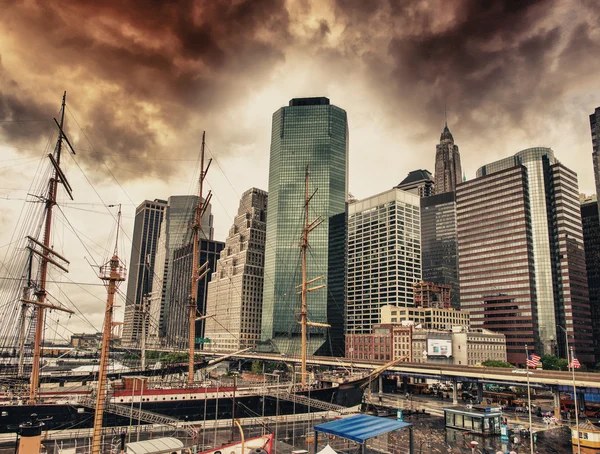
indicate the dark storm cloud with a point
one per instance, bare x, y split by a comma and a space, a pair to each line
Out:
492, 62
145, 70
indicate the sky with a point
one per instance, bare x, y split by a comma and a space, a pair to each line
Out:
145, 78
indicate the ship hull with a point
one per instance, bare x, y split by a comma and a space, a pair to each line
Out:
73, 416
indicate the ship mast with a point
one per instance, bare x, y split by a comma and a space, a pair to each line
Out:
112, 272
304, 289
46, 253
198, 272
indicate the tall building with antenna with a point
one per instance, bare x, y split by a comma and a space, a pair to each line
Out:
448, 171
310, 131
148, 218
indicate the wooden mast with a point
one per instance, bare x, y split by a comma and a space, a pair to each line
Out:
112, 272
197, 272
46, 252
304, 289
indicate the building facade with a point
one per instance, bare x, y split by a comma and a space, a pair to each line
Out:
175, 233
521, 260
177, 313
146, 227
425, 317
448, 171
418, 182
591, 240
310, 131
384, 256
235, 291
595, 130
459, 346
439, 253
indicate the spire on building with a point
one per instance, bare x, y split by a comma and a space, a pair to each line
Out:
448, 169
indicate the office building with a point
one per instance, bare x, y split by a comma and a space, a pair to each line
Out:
595, 130
438, 243
521, 258
384, 256
425, 317
175, 233
180, 290
591, 241
448, 170
146, 227
310, 131
418, 182
235, 291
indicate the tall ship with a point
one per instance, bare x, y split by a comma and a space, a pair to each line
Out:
70, 401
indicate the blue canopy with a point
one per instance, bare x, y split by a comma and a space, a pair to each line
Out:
360, 428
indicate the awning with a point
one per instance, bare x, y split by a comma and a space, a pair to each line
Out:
360, 428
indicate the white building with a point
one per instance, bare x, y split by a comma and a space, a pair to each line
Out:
235, 292
384, 256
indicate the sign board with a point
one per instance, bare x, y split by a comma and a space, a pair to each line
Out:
202, 340
439, 347
399, 414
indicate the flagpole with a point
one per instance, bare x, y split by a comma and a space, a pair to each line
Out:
529, 401
571, 363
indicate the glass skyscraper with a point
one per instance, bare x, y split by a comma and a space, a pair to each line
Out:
310, 131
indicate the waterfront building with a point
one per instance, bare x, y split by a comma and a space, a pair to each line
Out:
310, 131
591, 241
384, 256
438, 242
235, 291
146, 227
86, 340
418, 182
521, 258
457, 346
595, 130
448, 170
425, 317
175, 233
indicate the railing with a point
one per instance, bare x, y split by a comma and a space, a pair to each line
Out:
136, 413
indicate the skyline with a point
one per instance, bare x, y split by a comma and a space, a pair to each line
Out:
147, 81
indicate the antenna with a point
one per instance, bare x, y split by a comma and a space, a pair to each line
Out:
446, 114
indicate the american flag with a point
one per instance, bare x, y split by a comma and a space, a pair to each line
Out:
575, 364
533, 360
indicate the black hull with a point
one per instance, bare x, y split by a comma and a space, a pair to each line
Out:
66, 417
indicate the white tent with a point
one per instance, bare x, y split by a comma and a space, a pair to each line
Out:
327, 450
